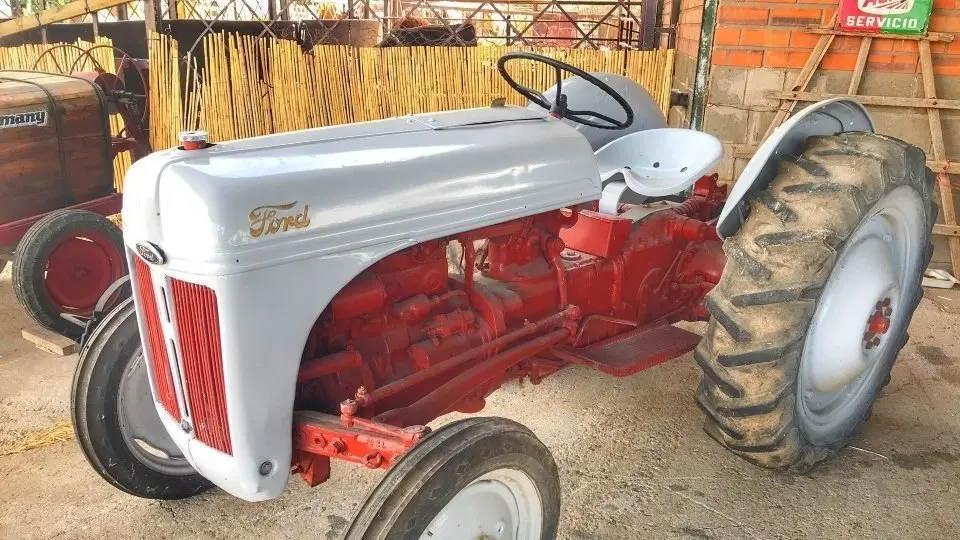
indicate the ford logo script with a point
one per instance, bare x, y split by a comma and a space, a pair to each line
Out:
151, 253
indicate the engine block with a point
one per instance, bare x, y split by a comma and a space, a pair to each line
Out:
404, 322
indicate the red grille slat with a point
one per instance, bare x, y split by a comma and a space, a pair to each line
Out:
198, 327
156, 344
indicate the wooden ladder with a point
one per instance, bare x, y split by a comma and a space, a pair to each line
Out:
940, 165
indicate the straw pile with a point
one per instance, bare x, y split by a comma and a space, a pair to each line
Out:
61, 431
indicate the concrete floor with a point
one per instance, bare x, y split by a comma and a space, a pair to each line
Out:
633, 460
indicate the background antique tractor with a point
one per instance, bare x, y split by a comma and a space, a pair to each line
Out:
328, 293
57, 183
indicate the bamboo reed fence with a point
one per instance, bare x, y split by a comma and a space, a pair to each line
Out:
250, 87
67, 60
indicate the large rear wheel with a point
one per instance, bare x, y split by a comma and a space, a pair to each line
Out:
813, 307
115, 419
475, 478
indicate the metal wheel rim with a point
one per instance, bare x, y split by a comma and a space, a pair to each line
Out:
880, 260
79, 269
140, 424
503, 504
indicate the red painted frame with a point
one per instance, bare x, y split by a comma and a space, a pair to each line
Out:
12, 232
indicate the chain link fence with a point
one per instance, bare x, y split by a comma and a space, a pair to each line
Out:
594, 24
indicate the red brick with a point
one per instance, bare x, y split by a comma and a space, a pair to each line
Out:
907, 45
845, 44
803, 40
785, 59
740, 58
839, 61
951, 48
743, 15
761, 37
945, 23
951, 69
882, 45
899, 63
828, 15
795, 16
687, 47
726, 36
945, 4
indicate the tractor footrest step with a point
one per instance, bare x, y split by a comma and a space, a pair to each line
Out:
635, 350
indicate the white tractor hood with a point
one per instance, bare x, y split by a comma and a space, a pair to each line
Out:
340, 188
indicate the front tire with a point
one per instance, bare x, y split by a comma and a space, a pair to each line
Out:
115, 420
474, 478
813, 307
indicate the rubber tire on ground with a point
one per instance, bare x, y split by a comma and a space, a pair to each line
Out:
777, 265
32, 252
96, 423
424, 480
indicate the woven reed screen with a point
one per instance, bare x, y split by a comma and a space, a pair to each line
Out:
251, 87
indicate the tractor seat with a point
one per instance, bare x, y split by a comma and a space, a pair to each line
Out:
655, 163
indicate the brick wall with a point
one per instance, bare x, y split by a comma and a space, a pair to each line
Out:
687, 44
770, 34
760, 46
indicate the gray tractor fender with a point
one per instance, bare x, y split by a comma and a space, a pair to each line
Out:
828, 117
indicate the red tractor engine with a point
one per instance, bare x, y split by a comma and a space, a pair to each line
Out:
407, 341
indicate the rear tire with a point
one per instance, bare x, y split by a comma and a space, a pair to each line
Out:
474, 478
774, 389
115, 420
63, 264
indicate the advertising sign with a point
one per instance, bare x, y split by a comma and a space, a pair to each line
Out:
885, 16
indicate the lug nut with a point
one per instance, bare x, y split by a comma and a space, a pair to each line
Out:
373, 460
266, 468
349, 407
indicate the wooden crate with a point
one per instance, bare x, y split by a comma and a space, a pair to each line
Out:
54, 143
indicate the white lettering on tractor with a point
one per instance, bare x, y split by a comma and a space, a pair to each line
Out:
34, 118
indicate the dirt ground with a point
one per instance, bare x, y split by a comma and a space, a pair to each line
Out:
633, 460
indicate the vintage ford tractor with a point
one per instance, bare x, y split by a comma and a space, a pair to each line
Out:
328, 293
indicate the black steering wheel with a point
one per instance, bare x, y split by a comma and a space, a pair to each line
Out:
560, 107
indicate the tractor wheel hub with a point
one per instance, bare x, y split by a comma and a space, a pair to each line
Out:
878, 324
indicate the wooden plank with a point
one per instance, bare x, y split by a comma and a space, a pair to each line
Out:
939, 153
947, 167
803, 79
49, 341
931, 36
946, 230
881, 101
861, 63
151, 16
56, 14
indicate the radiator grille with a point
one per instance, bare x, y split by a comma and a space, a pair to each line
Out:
198, 327
156, 344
